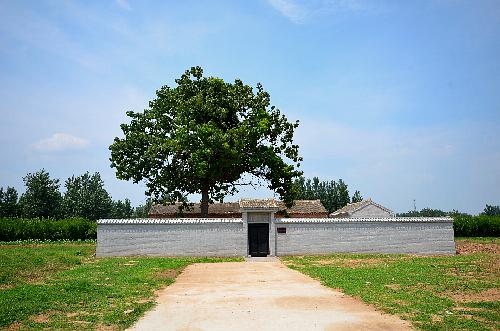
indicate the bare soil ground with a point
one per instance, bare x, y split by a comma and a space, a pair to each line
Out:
490, 295
258, 296
465, 247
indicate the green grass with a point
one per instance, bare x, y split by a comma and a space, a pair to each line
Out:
47, 241
434, 293
63, 286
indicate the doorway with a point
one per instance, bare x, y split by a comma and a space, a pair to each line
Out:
258, 239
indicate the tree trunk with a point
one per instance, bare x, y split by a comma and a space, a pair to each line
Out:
204, 202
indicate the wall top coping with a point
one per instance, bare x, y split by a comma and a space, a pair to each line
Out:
169, 220
366, 220
277, 220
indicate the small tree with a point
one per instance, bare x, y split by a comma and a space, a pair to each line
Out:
142, 211
9, 206
356, 197
42, 198
333, 195
343, 194
122, 209
86, 197
491, 210
426, 212
202, 136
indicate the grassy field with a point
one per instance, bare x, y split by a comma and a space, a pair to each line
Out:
459, 292
63, 286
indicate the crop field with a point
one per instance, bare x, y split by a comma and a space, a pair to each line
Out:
459, 292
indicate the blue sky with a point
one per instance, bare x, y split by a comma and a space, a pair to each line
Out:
401, 99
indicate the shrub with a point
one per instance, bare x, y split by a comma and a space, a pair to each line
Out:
477, 226
12, 229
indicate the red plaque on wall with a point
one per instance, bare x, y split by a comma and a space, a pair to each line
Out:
281, 230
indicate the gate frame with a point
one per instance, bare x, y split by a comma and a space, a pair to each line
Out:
248, 213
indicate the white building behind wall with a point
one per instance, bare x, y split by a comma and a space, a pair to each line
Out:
363, 209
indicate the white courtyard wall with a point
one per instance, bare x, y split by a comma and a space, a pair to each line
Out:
229, 237
171, 238
390, 235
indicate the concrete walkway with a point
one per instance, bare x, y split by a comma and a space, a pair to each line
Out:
258, 295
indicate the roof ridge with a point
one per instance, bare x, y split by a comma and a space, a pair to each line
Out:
352, 207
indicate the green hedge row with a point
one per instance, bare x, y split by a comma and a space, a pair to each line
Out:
476, 226
12, 229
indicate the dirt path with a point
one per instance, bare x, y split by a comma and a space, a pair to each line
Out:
258, 296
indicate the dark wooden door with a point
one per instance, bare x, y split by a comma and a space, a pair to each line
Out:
258, 239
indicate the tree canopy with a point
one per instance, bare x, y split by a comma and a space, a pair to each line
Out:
429, 212
42, 197
86, 197
333, 195
202, 136
8, 202
122, 209
356, 197
491, 210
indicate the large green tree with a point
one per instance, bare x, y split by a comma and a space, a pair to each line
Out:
86, 197
42, 197
201, 136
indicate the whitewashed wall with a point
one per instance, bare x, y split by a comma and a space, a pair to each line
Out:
373, 235
171, 237
229, 237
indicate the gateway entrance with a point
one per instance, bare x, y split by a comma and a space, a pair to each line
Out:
258, 239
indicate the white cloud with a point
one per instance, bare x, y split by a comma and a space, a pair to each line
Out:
289, 9
60, 142
300, 11
123, 4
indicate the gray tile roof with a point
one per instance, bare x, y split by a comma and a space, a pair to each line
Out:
304, 207
258, 204
226, 208
233, 209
